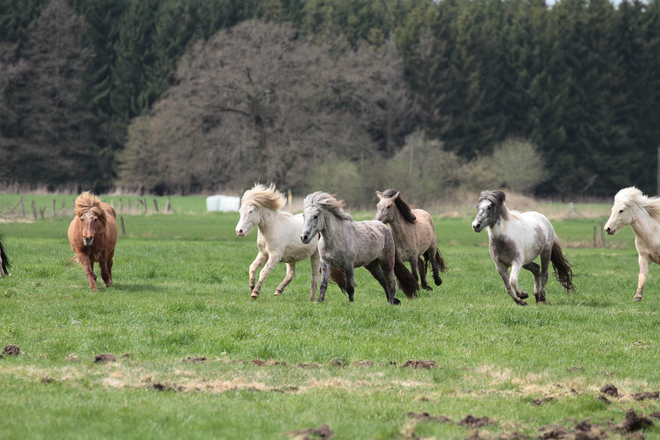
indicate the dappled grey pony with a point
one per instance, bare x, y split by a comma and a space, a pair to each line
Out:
414, 235
345, 244
515, 240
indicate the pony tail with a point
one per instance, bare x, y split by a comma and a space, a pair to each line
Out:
442, 267
562, 268
4, 260
338, 277
407, 281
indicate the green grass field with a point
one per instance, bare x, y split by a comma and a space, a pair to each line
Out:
181, 292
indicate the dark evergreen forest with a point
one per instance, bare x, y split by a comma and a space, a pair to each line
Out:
84, 81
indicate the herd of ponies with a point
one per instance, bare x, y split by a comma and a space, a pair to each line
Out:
336, 245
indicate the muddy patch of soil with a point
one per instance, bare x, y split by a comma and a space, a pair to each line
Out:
302, 365
426, 417
474, 422
104, 357
321, 433
200, 359
539, 402
575, 369
258, 362
11, 350
336, 362
647, 395
633, 422
158, 386
655, 414
364, 364
72, 358
610, 390
555, 432
420, 364
603, 399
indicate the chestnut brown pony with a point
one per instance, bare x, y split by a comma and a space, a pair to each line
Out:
93, 236
4, 261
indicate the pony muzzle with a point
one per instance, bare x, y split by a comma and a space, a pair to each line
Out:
476, 227
305, 238
88, 241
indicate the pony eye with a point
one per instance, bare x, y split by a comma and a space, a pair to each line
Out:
620, 211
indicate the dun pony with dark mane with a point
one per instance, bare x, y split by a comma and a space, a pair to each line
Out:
93, 236
4, 260
414, 234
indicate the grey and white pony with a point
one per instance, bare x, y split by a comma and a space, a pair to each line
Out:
345, 244
414, 235
4, 261
642, 213
278, 237
515, 240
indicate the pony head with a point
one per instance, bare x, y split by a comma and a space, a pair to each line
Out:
490, 209
260, 196
91, 215
315, 208
626, 202
390, 201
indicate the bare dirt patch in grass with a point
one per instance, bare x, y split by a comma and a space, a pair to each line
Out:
321, 433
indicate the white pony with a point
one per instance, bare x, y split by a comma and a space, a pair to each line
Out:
642, 213
278, 238
515, 240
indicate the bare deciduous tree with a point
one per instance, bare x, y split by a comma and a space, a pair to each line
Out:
257, 102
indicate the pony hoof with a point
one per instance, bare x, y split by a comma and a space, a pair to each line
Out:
637, 298
396, 302
278, 293
438, 282
522, 303
523, 295
93, 289
254, 295
428, 288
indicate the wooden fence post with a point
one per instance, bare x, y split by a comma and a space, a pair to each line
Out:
53, 209
34, 210
22, 206
123, 230
167, 205
156, 205
121, 206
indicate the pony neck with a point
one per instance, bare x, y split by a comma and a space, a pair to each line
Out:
266, 216
332, 224
643, 223
500, 227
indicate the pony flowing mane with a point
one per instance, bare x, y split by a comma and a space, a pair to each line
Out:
497, 198
404, 208
326, 201
630, 196
87, 201
265, 197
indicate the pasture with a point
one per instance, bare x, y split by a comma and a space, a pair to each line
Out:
197, 358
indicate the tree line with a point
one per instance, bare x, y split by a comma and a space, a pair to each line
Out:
183, 96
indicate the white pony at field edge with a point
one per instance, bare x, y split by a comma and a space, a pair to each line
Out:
278, 237
642, 213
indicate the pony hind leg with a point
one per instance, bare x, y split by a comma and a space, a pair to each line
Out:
376, 271
105, 275
543, 276
290, 273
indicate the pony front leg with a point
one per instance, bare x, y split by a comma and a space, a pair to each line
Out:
273, 259
88, 266
502, 270
513, 280
315, 261
325, 276
350, 284
290, 273
256, 264
643, 274
105, 274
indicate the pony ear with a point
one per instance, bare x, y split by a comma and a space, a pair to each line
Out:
396, 195
379, 194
